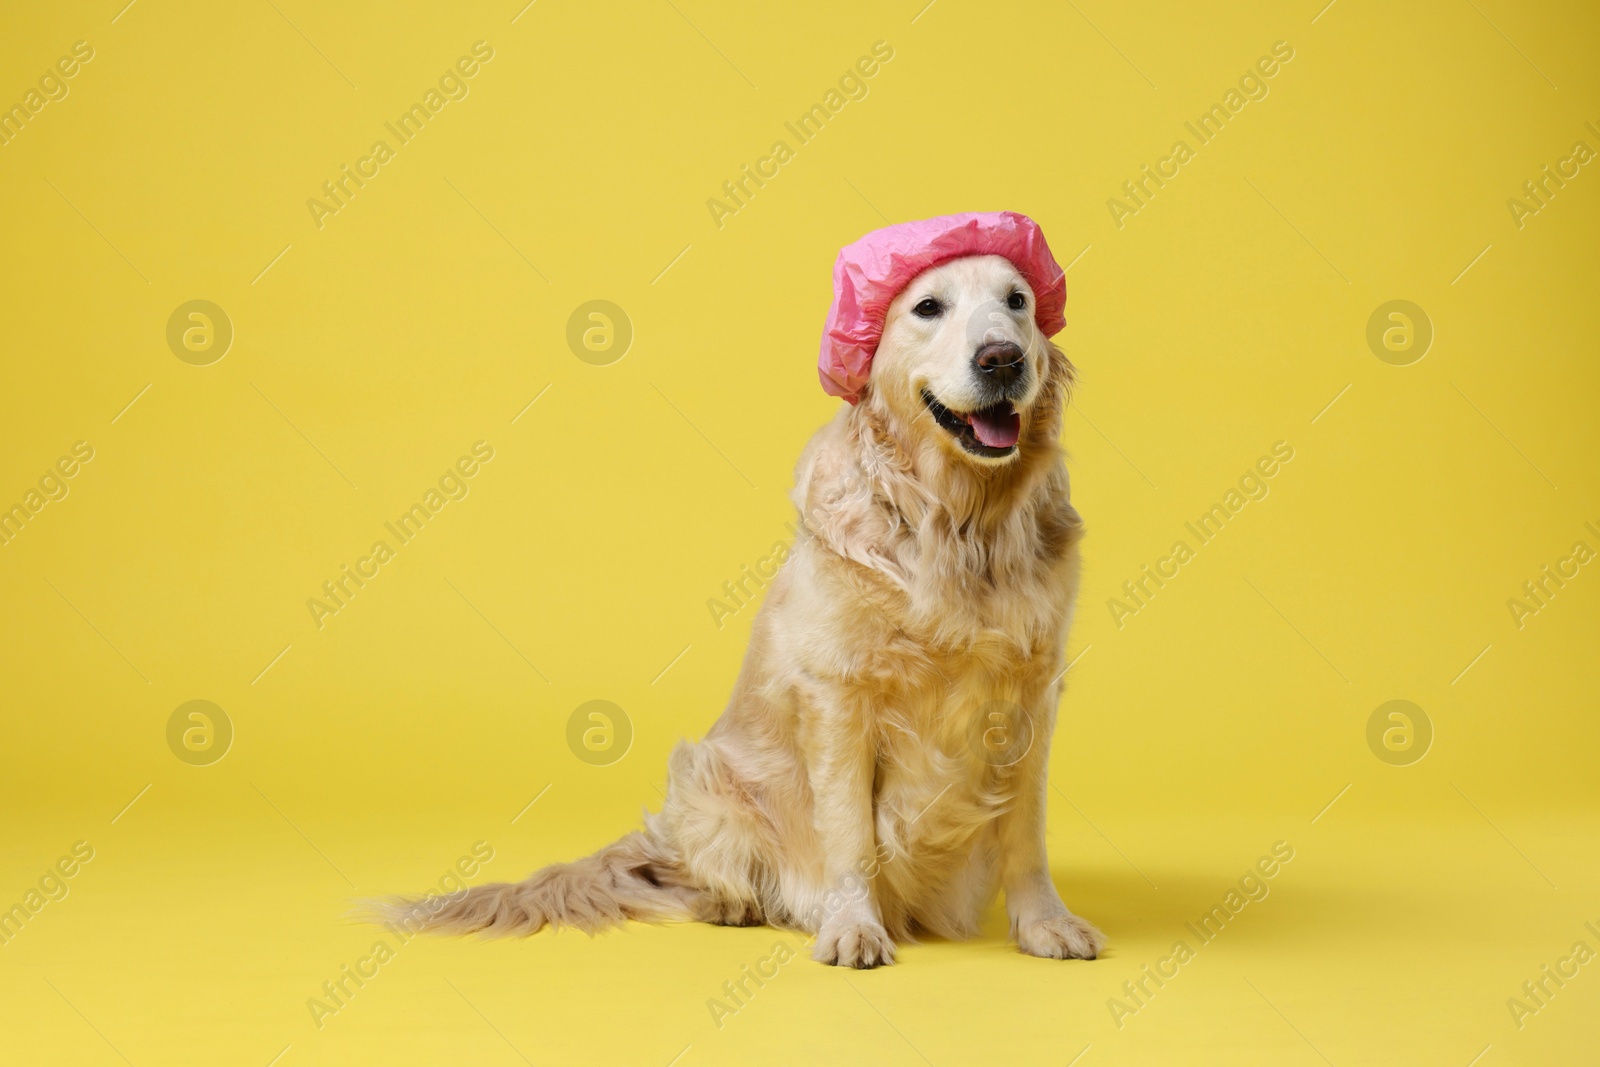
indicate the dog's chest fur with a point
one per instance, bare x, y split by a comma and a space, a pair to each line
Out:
985, 617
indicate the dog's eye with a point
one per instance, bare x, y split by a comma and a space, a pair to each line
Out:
927, 308
1016, 301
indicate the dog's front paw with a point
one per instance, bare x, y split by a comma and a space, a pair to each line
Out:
848, 943
1065, 937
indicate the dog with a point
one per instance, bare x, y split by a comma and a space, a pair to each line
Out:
880, 770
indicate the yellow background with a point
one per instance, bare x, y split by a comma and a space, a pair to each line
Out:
426, 315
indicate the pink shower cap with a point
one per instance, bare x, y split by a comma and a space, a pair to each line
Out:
870, 273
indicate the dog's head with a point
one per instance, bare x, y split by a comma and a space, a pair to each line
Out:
962, 361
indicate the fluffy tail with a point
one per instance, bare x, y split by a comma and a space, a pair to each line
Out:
634, 878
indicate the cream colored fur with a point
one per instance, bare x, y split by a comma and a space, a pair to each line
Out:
925, 605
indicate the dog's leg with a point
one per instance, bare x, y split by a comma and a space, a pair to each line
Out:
1040, 921
850, 931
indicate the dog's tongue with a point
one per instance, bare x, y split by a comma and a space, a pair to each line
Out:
997, 427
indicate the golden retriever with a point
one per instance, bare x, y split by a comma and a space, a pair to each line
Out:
880, 770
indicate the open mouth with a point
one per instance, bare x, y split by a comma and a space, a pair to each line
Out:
991, 432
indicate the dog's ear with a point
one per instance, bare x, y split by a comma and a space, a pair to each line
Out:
1059, 371
840, 502
1059, 378
833, 496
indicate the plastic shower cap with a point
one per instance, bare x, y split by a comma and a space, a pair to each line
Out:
870, 273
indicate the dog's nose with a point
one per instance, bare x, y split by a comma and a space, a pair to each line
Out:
999, 362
